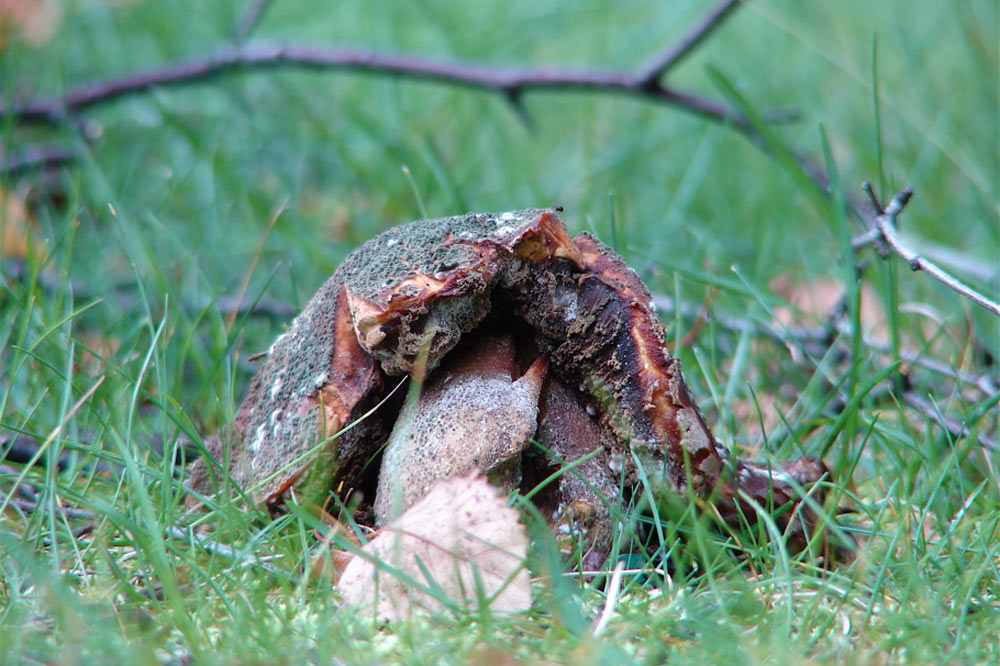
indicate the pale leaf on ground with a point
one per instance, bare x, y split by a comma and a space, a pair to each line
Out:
464, 535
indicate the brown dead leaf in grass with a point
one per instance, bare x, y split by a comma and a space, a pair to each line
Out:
98, 349
464, 536
335, 213
16, 222
327, 560
759, 415
817, 301
34, 21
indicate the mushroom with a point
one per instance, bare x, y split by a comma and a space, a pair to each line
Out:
523, 335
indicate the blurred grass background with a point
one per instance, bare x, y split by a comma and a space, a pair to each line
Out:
173, 194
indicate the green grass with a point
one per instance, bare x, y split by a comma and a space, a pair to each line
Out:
112, 349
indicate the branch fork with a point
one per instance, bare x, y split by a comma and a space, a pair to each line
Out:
886, 231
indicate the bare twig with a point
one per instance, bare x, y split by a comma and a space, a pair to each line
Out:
34, 158
816, 340
886, 223
228, 552
250, 19
960, 261
30, 506
873, 236
18, 269
956, 428
30, 501
663, 63
510, 82
872, 197
269, 307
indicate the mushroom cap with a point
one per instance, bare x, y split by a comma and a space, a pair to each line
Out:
414, 288
425, 284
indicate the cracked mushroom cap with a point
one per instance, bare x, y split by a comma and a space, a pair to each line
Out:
433, 278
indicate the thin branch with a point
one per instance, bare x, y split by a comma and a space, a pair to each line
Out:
886, 222
266, 307
872, 197
870, 237
507, 81
956, 428
982, 270
250, 19
30, 501
654, 71
30, 159
223, 550
124, 296
816, 340
511, 83
29, 506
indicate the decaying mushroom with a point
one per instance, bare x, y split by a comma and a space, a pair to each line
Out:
524, 334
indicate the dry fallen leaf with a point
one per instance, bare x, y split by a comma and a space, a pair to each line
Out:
16, 224
33, 20
818, 300
327, 560
464, 536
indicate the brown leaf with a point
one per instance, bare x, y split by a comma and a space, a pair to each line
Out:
15, 221
818, 299
462, 525
335, 213
330, 562
760, 414
34, 21
327, 560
